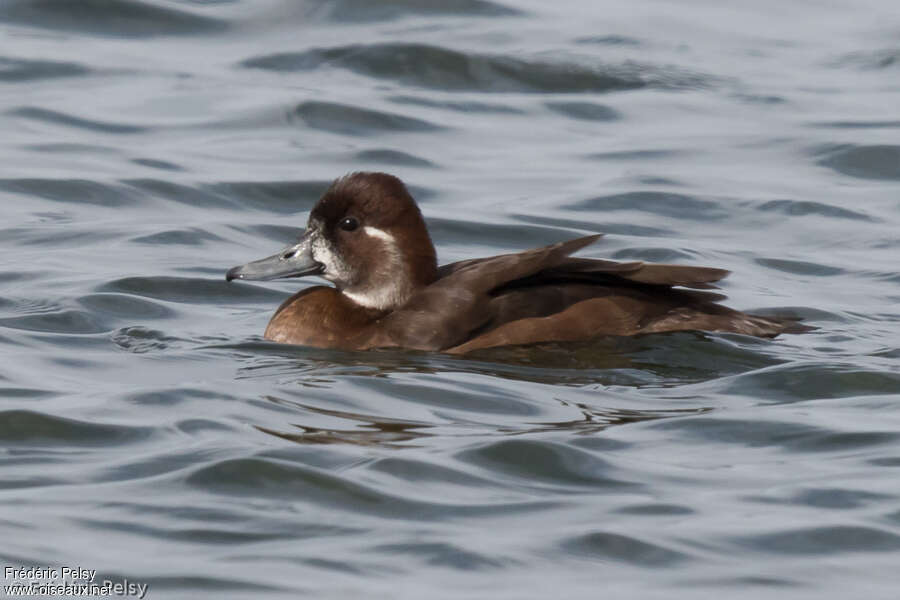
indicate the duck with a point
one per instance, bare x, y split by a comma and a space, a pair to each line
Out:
367, 236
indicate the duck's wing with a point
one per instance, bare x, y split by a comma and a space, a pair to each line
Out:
544, 294
580, 298
593, 270
446, 312
486, 274
602, 271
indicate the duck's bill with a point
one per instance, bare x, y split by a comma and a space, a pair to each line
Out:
293, 261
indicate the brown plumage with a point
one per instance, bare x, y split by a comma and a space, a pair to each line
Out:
539, 295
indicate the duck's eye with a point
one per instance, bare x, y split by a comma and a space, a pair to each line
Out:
348, 223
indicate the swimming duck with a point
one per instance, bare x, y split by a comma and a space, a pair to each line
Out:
367, 236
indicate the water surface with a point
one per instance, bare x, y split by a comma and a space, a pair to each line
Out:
150, 433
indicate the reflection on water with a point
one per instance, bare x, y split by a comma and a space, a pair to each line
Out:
656, 360
378, 431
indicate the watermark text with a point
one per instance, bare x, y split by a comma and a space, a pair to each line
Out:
67, 582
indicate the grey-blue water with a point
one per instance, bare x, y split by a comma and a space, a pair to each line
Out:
148, 432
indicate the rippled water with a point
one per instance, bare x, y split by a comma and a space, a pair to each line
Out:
150, 433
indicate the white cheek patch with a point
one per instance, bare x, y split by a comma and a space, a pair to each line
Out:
396, 287
381, 235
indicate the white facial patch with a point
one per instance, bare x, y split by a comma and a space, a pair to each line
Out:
396, 287
322, 252
381, 235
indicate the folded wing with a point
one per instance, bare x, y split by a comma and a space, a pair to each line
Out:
547, 294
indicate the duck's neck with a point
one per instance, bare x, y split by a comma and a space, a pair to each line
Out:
397, 278
389, 296
320, 316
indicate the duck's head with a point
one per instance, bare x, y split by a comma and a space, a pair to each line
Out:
366, 235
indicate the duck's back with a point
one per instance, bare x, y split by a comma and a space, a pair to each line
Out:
544, 295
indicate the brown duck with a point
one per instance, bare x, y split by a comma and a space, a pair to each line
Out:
367, 236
